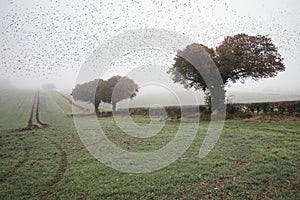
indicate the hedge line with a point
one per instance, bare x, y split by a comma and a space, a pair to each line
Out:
239, 110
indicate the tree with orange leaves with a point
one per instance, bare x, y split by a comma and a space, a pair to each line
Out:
237, 58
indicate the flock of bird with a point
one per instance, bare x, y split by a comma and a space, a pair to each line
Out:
39, 39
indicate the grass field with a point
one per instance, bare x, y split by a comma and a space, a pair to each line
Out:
250, 161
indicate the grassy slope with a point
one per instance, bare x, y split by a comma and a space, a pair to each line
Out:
251, 160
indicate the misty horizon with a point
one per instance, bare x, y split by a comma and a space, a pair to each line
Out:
49, 42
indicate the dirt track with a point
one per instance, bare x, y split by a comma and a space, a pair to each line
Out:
35, 111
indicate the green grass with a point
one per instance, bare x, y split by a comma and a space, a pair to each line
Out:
250, 161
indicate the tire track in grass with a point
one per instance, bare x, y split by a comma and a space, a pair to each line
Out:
30, 126
50, 95
37, 113
18, 165
72, 103
35, 109
63, 156
60, 173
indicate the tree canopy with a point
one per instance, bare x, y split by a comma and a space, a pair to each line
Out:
113, 90
86, 91
237, 58
243, 56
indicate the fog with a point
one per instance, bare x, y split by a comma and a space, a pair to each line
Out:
48, 41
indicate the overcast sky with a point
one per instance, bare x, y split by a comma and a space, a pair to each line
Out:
48, 41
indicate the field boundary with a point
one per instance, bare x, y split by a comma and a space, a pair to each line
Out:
74, 104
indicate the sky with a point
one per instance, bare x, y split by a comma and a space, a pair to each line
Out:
48, 41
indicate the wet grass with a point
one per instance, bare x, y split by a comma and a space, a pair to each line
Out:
250, 161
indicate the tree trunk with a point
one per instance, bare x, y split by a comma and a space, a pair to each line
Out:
96, 109
114, 106
217, 98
